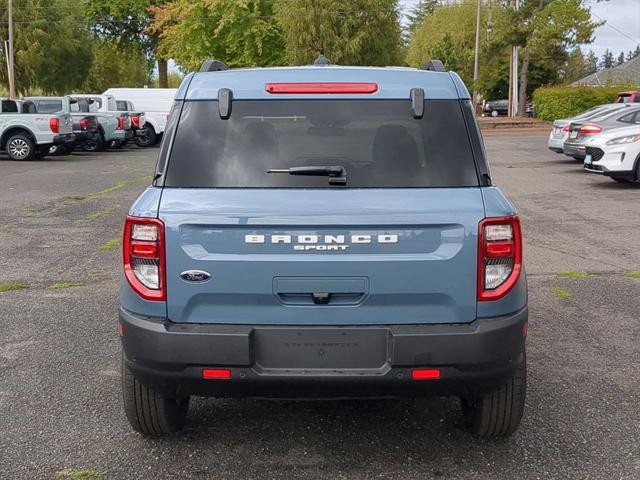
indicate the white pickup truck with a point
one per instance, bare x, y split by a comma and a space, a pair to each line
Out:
115, 126
26, 134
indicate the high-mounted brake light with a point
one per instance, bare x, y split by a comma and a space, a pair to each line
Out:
322, 87
143, 257
120, 123
425, 374
54, 124
499, 256
590, 129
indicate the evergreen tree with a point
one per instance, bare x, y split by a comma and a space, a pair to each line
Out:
417, 14
620, 59
591, 63
607, 60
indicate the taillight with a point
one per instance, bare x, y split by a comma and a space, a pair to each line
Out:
120, 123
590, 129
135, 121
84, 123
499, 256
54, 124
566, 128
144, 257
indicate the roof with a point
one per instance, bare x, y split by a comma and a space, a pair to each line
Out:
393, 82
626, 73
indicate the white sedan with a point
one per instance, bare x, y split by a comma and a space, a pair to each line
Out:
615, 153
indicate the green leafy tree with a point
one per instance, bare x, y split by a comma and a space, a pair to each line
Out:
546, 30
434, 37
241, 33
127, 22
50, 52
117, 65
418, 13
349, 32
607, 60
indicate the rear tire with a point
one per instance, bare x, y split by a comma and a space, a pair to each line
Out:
148, 138
494, 113
149, 412
94, 145
498, 413
20, 147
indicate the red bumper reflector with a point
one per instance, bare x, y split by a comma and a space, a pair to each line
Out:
216, 373
321, 87
121, 330
426, 374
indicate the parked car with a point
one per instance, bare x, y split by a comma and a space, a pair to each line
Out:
85, 127
560, 130
629, 97
155, 103
580, 131
323, 232
616, 153
138, 119
26, 134
496, 107
112, 123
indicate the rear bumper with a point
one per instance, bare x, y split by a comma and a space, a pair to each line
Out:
64, 139
574, 150
322, 362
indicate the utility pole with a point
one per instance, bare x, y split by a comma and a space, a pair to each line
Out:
513, 76
12, 83
476, 65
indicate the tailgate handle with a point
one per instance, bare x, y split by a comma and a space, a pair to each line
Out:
321, 298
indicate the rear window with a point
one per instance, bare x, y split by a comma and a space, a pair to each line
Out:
49, 106
9, 106
377, 142
121, 105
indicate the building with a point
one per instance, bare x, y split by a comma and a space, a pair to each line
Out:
625, 74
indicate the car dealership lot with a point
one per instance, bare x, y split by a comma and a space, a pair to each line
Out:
60, 405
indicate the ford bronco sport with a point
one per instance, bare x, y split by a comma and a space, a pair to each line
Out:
323, 231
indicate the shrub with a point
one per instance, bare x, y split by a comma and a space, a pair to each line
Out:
552, 103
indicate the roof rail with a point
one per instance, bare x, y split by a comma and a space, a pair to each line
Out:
322, 60
434, 65
213, 66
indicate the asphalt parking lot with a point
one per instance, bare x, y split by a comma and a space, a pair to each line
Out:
60, 405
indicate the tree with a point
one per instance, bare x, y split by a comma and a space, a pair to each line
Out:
546, 30
434, 38
418, 13
127, 21
349, 32
50, 46
607, 59
620, 59
633, 53
591, 63
117, 65
241, 33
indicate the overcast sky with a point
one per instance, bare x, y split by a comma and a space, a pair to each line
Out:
620, 33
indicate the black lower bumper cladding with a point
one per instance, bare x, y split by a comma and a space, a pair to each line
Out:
322, 362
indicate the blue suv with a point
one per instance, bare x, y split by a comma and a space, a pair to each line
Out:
323, 231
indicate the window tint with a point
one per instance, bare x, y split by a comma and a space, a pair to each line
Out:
121, 105
29, 107
9, 106
378, 142
49, 106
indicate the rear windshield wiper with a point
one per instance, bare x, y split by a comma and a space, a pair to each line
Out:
336, 173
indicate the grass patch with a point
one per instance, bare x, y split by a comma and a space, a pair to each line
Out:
99, 214
77, 198
144, 179
78, 474
4, 230
7, 287
110, 245
574, 275
562, 293
63, 285
633, 274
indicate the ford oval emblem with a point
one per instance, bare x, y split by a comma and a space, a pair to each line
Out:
195, 276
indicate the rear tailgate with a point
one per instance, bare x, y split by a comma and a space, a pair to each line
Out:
65, 123
371, 256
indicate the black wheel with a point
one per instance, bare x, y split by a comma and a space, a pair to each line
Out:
149, 412
95, 144
498, 413
20, 147
637, 170
147, 138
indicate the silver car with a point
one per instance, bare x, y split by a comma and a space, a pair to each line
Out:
560, 131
